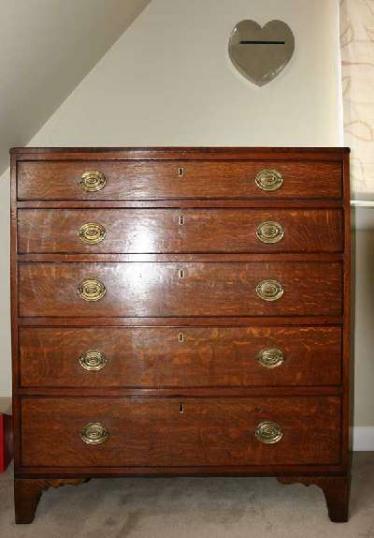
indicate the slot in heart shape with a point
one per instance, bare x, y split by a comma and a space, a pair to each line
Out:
261, 53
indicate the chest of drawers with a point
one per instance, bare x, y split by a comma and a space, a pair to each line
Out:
180, 311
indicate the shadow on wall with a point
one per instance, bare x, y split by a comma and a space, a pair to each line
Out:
5, 359
364, 318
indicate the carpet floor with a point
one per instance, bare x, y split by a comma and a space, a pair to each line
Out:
192, 508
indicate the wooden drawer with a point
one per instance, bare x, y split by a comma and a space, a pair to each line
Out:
157, 180
174, 432
179, 289
154, 357
187, 230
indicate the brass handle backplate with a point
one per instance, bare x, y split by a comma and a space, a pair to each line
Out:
91, 289
269, 180
92, 233
94, 433
270, 232
93, 361
269, 290
270, 358
268, 432
92, 181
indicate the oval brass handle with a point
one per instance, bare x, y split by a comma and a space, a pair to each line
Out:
92, 233
270, 358
92, 181
91, 289
269, 290
269, 180
94, 433
268, 432
93, 361
270, 232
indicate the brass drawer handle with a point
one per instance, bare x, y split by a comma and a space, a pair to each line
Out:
94, 433
270, 358
269, 180
270, 232
268, 432
92, 233
93, 361
269, 290
91, 289
92, 181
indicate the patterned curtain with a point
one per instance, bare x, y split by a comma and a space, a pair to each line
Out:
357, 48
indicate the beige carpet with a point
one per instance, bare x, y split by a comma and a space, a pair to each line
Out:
192, 508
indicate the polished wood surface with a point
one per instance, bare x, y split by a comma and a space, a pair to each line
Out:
180, 289
194, 431
181, 325
179, 230
158, 180
180, 357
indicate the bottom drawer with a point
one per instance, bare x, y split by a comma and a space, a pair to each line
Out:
120, 432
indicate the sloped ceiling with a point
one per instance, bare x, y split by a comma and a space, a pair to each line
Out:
47, 48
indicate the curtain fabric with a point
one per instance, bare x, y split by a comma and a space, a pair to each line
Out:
357, 49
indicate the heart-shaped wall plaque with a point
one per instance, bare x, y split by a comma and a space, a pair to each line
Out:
260, 53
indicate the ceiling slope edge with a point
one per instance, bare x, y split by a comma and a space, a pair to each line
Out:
48, 48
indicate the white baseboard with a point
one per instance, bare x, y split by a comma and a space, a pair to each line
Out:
363, 438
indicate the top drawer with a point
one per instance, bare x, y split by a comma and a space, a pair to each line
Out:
161, 180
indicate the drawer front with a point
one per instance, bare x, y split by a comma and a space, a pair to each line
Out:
173, 432
157, 180
187, 230
180, 289
179, 357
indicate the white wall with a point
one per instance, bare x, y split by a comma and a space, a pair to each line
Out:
169, 81
47, 47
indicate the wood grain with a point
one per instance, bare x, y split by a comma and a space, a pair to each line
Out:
178, 230
155, 431
158, 180
180, 357
164, 278
206, 289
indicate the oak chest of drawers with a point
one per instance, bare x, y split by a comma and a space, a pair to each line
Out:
180, 312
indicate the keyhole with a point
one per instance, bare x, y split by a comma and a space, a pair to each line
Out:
181, 338
180, 172
181, 408
181, 220
181, 273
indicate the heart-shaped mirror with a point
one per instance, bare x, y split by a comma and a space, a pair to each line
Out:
261, 53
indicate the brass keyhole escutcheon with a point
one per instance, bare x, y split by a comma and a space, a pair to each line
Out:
91, 290
270, 290
93, 361
92, 181
270, 232
92, 233
271, 358
94, 433
268, 432
269, 180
